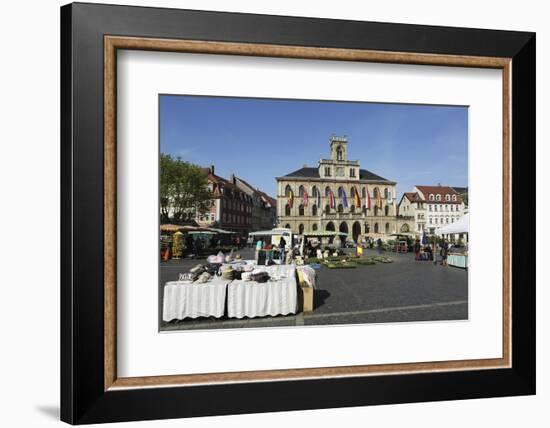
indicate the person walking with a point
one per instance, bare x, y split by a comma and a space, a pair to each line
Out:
189, 245
429, 253
310, 248
282, 245
197, 247
379, 246
417, 250
259, 245
444, 252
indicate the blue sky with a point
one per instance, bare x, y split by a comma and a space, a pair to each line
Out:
259, 139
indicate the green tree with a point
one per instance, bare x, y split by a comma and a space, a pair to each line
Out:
183, 189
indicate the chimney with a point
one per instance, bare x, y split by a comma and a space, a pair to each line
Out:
212, 169
232, 178
305, 165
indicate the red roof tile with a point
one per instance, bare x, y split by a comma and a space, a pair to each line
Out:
414, 197
439, 190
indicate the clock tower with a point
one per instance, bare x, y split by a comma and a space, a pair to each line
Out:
338, 148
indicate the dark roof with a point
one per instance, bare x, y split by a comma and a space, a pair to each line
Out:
460, 189
305, 172
311, 172
367, 175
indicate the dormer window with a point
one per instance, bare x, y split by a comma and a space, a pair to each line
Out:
438, 198
447, 197
431, 197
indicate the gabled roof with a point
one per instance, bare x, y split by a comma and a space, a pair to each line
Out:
262, 194
246, 184
460, 189
268, 198
413, 197
313, 172
217, 179
439, 190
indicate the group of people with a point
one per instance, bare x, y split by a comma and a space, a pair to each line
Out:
372, 243
266, 245
426, 252
304, 247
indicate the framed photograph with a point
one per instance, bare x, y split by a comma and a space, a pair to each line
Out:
255, 208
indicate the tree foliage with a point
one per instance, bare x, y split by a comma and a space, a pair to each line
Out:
183, 189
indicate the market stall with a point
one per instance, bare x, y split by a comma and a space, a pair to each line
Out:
276, 296
460, 227
273, 236
186, 299
457, 260
194, 240
320, 240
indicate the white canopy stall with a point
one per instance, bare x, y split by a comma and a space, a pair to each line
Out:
275, 235
461, 226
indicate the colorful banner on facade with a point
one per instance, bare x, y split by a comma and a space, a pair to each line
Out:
291, 199
356, 197
343, 197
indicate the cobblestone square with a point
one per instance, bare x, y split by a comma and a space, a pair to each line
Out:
403, 291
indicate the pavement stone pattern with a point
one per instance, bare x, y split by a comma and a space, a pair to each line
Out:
402, 291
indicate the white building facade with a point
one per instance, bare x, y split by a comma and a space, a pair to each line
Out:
413, 207
442, 205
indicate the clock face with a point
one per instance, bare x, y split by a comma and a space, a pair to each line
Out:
339, 171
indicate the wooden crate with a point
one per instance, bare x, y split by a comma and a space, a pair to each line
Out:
307, 297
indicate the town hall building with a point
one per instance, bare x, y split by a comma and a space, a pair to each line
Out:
337, 195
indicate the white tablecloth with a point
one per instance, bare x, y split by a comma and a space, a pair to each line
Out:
254, 299
191, 300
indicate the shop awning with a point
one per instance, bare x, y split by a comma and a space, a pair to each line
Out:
176, 227
271, 232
